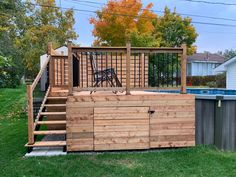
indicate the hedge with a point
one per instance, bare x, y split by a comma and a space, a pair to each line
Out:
217, 81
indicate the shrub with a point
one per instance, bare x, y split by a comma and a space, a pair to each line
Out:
9, 76
221, 80
210, 81
212, 84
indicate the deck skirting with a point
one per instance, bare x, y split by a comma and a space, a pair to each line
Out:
142, 120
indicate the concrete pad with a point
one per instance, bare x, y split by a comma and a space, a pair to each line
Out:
47, 151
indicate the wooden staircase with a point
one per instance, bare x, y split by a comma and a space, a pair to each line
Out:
50, 124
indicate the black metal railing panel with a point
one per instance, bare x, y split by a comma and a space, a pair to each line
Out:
101, 69
164, 70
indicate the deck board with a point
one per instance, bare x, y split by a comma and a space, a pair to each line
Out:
47, 143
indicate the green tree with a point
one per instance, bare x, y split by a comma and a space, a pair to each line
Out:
144, 40
12, 25
173, 30
228, 54
122, 20
9, 75
11, 15
45, 23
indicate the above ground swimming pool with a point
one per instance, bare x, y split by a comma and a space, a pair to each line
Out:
201, 91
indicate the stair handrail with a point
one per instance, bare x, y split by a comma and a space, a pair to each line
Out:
30, 90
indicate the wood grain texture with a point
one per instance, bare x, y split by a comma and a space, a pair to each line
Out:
105, 121
79, 129
125, 122
128, 55
70, 68
30, 115
184, 69
173, 125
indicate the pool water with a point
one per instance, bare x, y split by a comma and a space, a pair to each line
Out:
202, 91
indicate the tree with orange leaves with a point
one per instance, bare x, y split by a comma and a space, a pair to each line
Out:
123, 20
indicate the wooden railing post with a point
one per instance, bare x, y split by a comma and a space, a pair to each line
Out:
30, 115
142, 70
49, 52
183, 69
51, 65
128, 54
70, 68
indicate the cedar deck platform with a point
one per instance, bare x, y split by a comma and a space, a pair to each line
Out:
104, 120
143, 120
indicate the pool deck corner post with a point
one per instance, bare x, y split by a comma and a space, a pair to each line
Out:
183, 69
70, 67
128, 54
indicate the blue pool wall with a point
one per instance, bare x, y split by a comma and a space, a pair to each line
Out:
201, 91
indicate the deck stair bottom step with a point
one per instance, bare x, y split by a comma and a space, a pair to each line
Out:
55, 105
57, 98
55, 122
52, 113
50, 132
47, 144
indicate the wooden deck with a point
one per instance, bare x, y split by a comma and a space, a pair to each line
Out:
142, 120
104, 120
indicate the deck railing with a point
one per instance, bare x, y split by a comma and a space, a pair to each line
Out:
59, 71
135, 68
36, 100
55, 68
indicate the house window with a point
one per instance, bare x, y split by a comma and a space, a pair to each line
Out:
189, 69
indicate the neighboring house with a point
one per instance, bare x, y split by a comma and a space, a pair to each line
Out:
61, 50
203, 64
230, 68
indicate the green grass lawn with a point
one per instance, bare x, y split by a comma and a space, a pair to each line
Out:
198, 161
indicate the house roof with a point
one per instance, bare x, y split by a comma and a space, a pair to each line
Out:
206, 57
223, 66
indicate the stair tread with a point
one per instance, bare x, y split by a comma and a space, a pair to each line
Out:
47, 143
55, 105
52, 113
56, 97
52, 122
50, 132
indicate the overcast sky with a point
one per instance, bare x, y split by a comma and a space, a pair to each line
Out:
211, 38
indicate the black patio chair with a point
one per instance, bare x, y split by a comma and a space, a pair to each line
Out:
107, 75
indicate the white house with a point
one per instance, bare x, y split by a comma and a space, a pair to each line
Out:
61, 50
203, 64
230, 68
